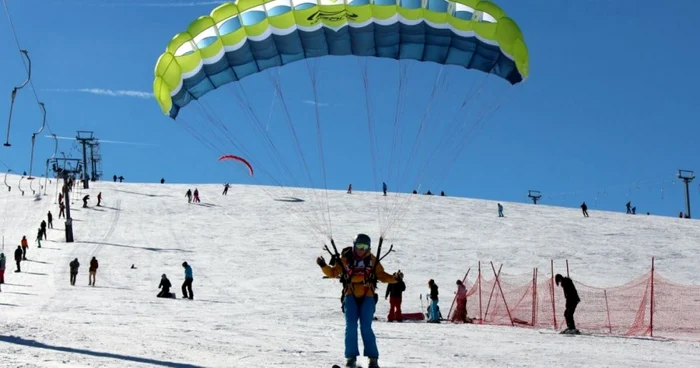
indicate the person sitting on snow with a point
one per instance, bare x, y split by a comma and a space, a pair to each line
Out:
165, 286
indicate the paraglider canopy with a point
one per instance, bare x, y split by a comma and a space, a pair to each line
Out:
237, 158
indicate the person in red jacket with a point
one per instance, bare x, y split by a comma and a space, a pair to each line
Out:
92, 271
395, 292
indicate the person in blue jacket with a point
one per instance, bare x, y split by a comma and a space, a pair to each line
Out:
187, 285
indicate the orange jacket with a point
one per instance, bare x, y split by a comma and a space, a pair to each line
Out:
24, 243
357, 285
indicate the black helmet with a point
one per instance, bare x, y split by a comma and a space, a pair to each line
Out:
362, 239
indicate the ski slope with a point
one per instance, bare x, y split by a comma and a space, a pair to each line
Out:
261, 301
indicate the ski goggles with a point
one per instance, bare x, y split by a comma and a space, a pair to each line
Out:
361, 246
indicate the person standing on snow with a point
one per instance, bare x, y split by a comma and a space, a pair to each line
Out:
189, 195
226, 186
196, 195
395, 292
461, 310
360, 270
572, 300
25, 245
187, 285
85, 200
43, 228
92, 271
74, 265
99, 199
584, 209
18, 257
434, 314
2, 268
165, 286
500, 210
61, 210
384, 188
49, 217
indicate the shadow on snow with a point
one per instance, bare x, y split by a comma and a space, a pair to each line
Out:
136, 247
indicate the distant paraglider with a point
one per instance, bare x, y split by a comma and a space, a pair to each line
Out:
237, 158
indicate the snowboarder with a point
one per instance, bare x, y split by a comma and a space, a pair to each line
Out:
165, 286
572, 300
99, 199
92, 271
61, 210
2, 268
584, 209
25, 245
189, 195
49, 217
360, 271
74, 265
196, 195
395, 291
18, 258
85, 200
434, 316
187, 285
384, 188
461, 309
226, 186
500, 210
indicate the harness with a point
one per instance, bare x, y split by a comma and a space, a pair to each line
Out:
353, 267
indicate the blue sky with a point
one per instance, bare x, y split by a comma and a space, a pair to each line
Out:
608, 114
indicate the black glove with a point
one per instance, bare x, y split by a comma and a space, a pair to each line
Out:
321, 262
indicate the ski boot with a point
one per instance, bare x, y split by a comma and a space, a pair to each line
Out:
373, 363
351, 363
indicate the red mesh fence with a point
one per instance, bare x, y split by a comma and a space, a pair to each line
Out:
650, 305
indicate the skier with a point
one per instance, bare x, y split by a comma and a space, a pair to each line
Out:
628, 205
85, 200
434, 316
572, 300
360, 271
165, 286
99, 199
61, 210
49, 217
25, 245
350, 189
584, 209
196, 195
74, 265
500, 210
187, 285
461, 310
2, 268
395, 290
18, 258
43, 228
384, 188
226, 186
114, 178
92, 271
189, 195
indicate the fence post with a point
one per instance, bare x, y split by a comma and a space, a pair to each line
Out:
480, 314
534, 297
551, 289
492, 289
498, 282
651, 305
567, 269
607, 309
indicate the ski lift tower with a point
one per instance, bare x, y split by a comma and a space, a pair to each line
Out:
86, 139
687, 176
535, 195
67, 168
95, 161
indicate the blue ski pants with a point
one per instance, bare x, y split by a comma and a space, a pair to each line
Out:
434, 316
361, 309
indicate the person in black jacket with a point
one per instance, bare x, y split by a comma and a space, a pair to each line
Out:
394, 291
18, 257
165, 286
434, 310
572, 301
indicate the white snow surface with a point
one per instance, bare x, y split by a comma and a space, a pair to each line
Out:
261, 301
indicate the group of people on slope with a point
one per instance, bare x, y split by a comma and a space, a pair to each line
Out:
165, 285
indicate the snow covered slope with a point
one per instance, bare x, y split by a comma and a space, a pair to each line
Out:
261, 301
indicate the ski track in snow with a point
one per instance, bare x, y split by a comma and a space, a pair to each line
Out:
261, 301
